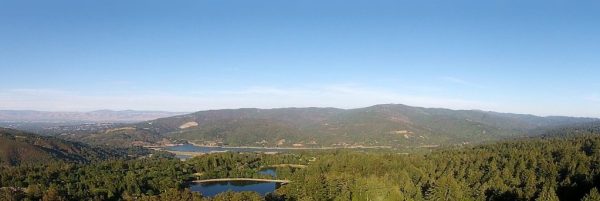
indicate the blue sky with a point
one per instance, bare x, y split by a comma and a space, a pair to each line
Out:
538, 57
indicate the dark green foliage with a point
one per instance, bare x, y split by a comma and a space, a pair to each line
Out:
592, 196
170, 195
230, 165
547, 194
17, 147
241, 196
109, 180
8, 194
548, 169
446, 188
535, 169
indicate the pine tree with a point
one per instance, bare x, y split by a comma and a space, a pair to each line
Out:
593, 195
547, 194
445, 189
52, 195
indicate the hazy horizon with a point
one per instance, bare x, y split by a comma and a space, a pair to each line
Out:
186, 112
534, 57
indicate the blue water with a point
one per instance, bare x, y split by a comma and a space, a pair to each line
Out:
193, 148
210, 189
268, 171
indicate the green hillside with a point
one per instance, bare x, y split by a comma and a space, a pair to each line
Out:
537, 168
379, 125
17, 147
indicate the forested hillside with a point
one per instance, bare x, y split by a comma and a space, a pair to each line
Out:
574, 130
17, 148
380, 125
550, 169
553, 167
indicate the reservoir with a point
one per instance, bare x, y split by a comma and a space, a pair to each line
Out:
204, 149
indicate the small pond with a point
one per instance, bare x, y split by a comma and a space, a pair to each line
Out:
268, 171
211, 189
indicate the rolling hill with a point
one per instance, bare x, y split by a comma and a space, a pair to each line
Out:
18, 147
379, 125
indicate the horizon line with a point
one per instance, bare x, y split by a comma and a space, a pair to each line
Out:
291, 107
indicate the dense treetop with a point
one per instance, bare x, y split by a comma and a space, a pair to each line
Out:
562, 165
550, 168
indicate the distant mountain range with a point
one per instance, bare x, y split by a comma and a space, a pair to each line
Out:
379, 125
125, 116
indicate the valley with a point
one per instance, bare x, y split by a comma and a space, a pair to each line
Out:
561, 165
302, 100
467, 155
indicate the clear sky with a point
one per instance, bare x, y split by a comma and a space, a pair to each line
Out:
538, 57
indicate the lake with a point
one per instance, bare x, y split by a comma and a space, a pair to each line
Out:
211, 189
203, 149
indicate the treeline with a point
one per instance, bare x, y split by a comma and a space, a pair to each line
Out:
573, 130
543, 169
160, 177
245, 165
108, 180
22, 148
540, 169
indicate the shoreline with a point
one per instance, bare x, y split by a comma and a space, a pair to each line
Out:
281, 148
241, 179
286, 165
250, 148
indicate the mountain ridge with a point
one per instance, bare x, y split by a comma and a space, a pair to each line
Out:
378, 125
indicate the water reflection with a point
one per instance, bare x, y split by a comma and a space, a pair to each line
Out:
213, 188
